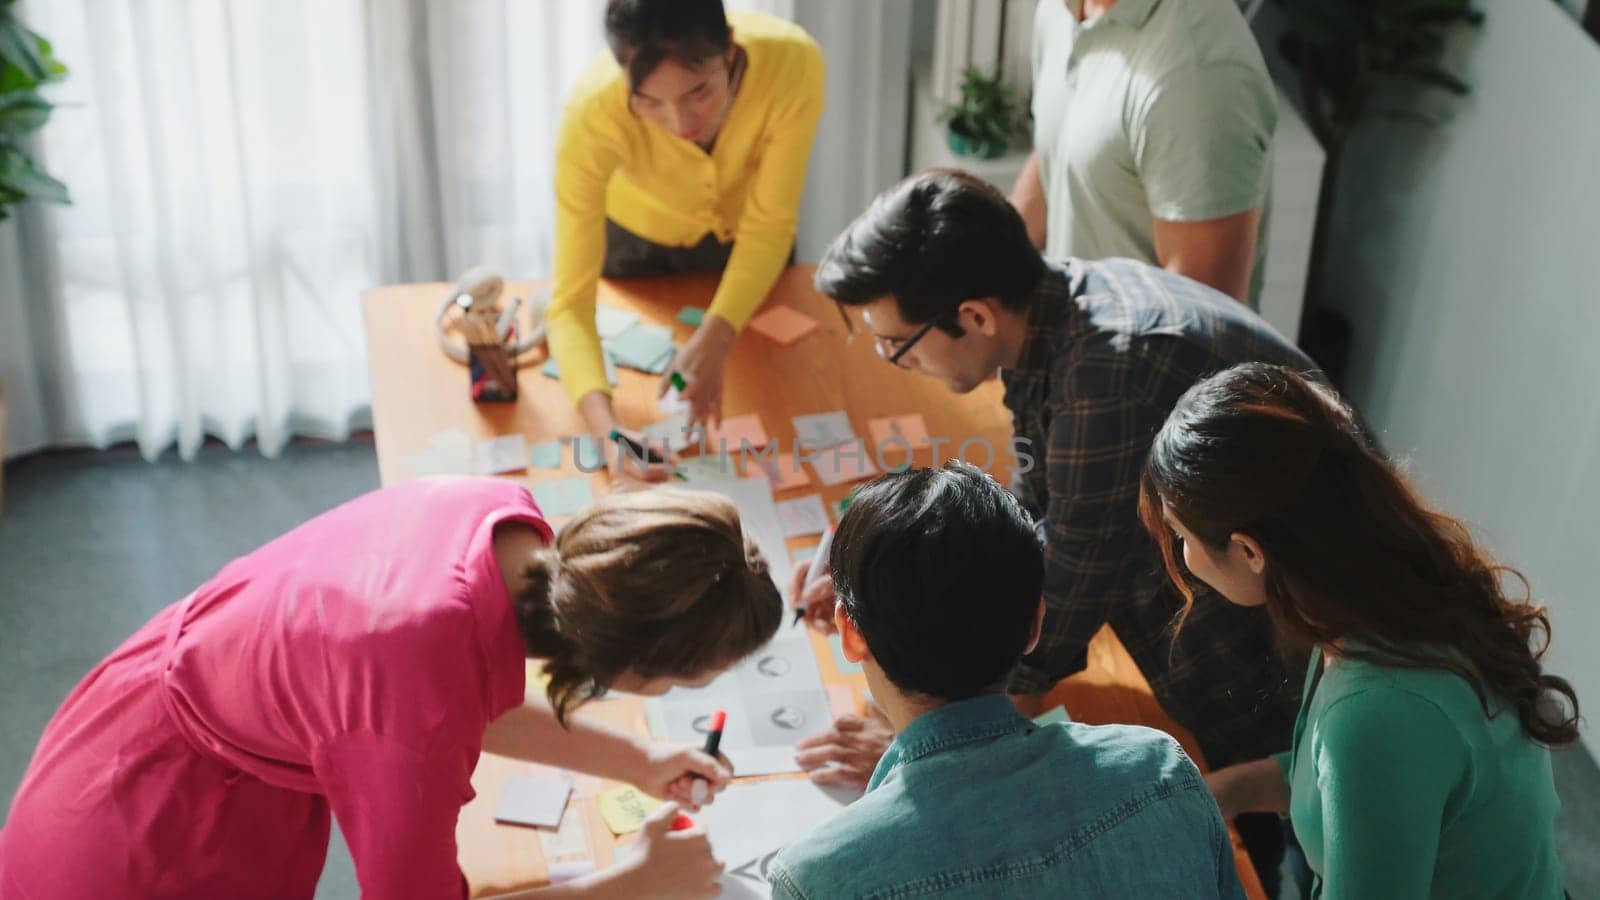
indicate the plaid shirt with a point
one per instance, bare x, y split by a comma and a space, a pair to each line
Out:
1111, 346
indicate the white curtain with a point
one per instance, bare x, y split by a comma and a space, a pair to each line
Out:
243, 170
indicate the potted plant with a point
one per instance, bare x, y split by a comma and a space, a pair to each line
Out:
27, 62
987, 119
1357, 60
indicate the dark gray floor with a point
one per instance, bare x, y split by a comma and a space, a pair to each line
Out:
93, 544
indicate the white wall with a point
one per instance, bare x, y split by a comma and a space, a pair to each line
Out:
1467, 258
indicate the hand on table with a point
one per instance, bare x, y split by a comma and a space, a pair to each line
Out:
849, 751
700, 361
815, 597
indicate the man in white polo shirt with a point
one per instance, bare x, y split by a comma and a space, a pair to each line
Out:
1153, 123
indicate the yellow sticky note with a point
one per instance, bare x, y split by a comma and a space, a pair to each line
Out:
625, 808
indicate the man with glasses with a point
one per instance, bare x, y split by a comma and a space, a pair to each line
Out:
1093, 354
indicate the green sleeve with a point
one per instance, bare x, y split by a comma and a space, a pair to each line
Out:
1387, 761
1202, 142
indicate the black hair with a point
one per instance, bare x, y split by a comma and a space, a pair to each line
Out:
644, 33
934, 240
942, 572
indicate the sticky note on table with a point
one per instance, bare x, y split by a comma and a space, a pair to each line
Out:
844, 464
782, 324
1052, 717
448, 452
797, 557
845, 666
841, 700
563, 496
707, 467
502, 454
646, 347
625, 808
901, 434
610, 321
530, 800
783, 472
692, 315
803, 516
736, 432
822, 430
546, 455
571, 839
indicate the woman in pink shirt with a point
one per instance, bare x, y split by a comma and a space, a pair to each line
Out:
357, 666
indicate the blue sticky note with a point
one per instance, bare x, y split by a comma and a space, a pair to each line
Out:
1055, 716
546, 455
845, 666
692, 316
563, 496
645, 347
610, 321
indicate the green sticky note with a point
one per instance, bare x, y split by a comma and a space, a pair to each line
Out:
546, 455
845, 666
550, 370
1055, 716
692, 316
563, 496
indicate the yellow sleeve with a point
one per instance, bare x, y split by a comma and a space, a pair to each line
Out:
767, 223
589, 149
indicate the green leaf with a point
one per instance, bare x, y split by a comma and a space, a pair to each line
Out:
32, 182
22, 111
20, 48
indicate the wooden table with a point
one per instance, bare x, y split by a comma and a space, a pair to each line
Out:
417, 391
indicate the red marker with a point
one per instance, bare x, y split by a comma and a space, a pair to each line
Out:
699, 791
682, 823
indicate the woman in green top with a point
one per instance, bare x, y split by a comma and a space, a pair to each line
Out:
1420, 765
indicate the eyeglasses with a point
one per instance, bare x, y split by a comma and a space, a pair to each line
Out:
892, 350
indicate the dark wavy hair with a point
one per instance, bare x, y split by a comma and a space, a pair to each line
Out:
645, 33
660, 583
1351, 550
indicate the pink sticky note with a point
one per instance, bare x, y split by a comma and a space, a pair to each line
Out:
782, 473
841, 700
898, 432
735, 432
783, 325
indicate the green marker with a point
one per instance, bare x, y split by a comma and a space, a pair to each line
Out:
677, 380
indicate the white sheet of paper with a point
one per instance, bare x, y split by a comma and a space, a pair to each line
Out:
823, 430
803, 515
533, 800
844, 464
673, 430
502, 454
751, 821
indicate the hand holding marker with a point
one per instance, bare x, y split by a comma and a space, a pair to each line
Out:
700, 793
819, 561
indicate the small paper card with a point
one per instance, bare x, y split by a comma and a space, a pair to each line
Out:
499, 455
625, 808
783, 325
803, 516
563, 496
530, 800
823, 430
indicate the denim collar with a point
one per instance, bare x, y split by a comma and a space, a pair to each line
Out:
982, 718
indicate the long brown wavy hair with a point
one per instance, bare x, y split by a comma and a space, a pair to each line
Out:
661, 582
1351, 551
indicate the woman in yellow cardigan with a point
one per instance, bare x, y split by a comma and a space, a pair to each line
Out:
684, 150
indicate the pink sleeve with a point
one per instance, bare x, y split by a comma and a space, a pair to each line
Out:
397, 810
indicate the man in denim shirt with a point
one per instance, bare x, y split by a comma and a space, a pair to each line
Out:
938, 575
